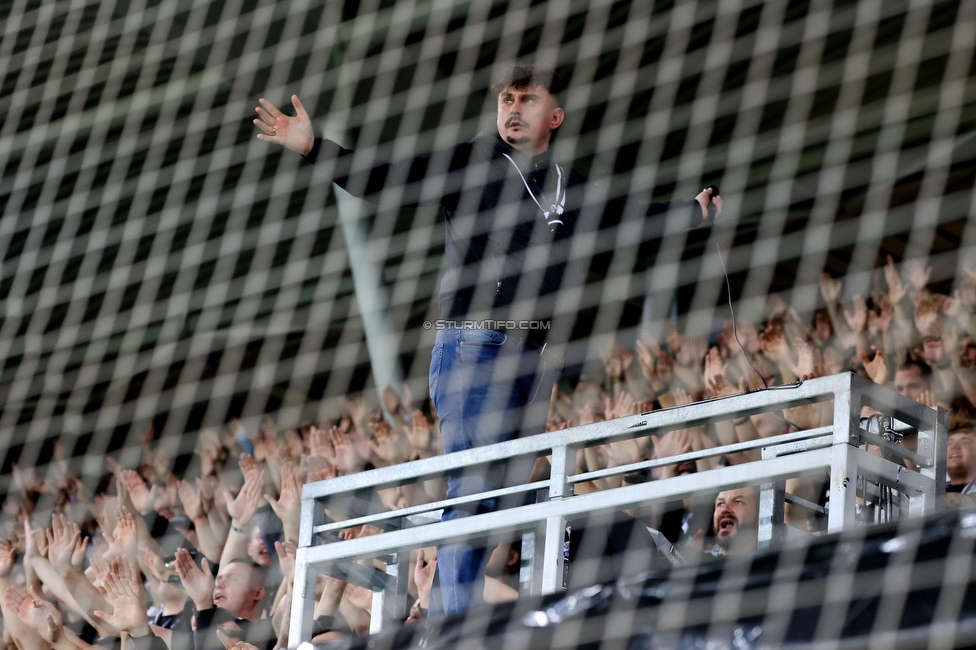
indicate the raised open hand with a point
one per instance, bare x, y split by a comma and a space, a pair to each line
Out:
8, 558
692, 352
384, 444
153, 565
896, 290
681, 397
882, 318
672, 443
418, 432
244, 506
715, 381
249, 466
918, 275
198, 583
357, 409
98, 568
34, 612
142, 497
622, 407
123, 591
288, 505
391, 401
806, 360
857, 319
423, 574
616, 360
347, 459
286, 557
126, 543
821, 329
320, 444
647, 358
774, 344
830, 289
361, 597
61, 539
190, 498
79, 552
665, 367
876, 367
293, 133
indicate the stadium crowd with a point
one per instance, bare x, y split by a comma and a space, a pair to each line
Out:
206, 560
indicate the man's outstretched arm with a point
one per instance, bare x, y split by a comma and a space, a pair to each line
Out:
363, 176
709, 202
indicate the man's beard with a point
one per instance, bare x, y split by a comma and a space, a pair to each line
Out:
513, 140
726, 541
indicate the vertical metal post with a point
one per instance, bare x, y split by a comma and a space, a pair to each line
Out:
307, 523
772, 503
843, 466
932, 443
395, 595
376, 612
302, 602
843, 488
530, 575
563, 462
553, 561
846, 420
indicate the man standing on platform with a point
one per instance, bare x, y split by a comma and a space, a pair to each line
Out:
509, 281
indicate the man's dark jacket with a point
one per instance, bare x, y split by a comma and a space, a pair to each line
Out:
518, 229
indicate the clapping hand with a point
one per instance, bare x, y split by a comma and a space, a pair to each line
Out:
34, 612
61, 540
288, 505
244, 506
198, 583
123, 591
423, 574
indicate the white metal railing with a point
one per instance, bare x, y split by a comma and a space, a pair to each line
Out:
834, 450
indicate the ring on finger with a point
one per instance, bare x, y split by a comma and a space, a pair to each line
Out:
274, 130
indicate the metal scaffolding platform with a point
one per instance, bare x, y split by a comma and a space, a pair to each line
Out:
834, 452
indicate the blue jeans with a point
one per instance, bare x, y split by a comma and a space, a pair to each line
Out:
487, 387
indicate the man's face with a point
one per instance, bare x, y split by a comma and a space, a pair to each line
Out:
256, 550
736, 513
234, 591
967, 352
959, 463
911, 383
527, 117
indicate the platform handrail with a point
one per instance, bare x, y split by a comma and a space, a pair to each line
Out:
834, 448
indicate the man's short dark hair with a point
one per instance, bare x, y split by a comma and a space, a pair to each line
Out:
525, 75
924, 368
258, 576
